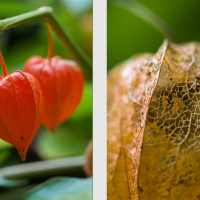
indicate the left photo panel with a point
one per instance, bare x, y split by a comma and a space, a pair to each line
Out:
46, 101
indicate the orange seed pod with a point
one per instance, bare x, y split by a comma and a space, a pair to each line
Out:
61, 82
21, 108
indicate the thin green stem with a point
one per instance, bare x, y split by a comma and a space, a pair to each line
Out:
147, 15
46, 14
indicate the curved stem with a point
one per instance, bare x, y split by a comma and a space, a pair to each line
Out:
5, 73
46, 14
50, 37
147, 15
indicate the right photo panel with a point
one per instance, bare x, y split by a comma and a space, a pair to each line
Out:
153, 100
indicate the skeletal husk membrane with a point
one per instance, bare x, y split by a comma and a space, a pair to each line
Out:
153, 147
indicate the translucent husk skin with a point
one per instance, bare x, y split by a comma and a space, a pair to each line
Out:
154, 126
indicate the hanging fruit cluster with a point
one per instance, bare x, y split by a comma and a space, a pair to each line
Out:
47, 92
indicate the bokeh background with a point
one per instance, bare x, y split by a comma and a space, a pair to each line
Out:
20, 43
128, 34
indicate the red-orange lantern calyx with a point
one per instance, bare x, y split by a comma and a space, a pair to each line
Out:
62, 84
21, 108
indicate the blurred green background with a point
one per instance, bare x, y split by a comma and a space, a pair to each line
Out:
20, 43
128, 34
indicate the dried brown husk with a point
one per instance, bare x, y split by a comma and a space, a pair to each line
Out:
88, 159
153, 141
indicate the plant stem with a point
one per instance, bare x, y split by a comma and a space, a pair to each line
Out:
46, 14
5, 73
147, 15
43, 168
50, 51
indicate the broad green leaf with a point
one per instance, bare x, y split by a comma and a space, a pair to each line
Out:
11, 183
61, 188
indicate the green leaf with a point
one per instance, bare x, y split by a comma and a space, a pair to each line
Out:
11, 183
61, 188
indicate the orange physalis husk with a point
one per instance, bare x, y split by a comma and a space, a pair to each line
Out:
62, 85
21, 108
